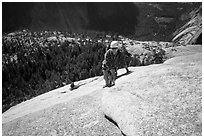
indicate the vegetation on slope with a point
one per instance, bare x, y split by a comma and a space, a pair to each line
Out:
36, 62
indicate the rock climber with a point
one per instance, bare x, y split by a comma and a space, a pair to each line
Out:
123, 58
109, 64
115, 57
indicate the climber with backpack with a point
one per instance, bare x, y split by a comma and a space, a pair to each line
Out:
114, 58
109, 65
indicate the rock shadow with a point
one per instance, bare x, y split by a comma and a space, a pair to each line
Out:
112, 121
127, 73
73, 87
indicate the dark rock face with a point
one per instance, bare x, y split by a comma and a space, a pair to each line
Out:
59, 16
16, 16
199, 40
117, 17
144, 21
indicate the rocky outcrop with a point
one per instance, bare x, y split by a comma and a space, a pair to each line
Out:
190, 32
146, 52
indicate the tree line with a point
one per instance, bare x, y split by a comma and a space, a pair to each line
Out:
41, 69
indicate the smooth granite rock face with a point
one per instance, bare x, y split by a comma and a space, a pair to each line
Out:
159, 99
78, 117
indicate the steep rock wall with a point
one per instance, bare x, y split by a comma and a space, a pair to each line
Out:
142, 21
